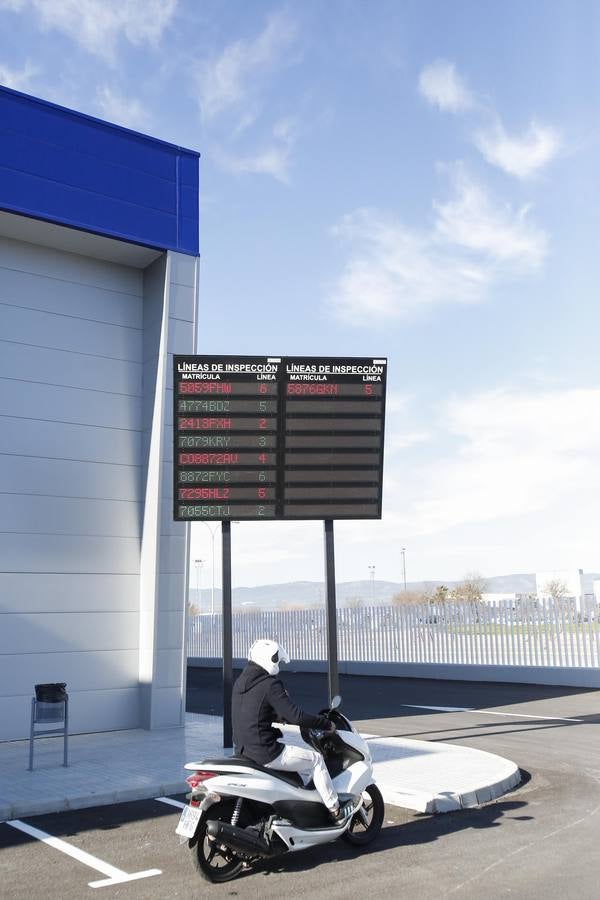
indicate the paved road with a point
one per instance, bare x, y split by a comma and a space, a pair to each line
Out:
540, 842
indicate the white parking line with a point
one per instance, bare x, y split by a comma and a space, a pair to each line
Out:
170, 802
114, 875
437, 708
488, 712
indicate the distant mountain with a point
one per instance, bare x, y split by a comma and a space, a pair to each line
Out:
312, 593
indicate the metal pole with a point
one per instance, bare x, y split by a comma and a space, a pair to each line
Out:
213, 532
332, 650
404, 567
372, 577
227, 636
198, 565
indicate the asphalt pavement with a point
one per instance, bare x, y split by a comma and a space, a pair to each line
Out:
539, 841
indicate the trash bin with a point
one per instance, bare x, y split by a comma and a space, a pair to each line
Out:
51, 693
50, 705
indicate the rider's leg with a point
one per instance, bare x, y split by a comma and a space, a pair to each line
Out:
308, 763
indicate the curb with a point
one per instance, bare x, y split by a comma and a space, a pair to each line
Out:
45, 806
450, 802
496, 776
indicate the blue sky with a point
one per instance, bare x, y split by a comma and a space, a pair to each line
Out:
417, 180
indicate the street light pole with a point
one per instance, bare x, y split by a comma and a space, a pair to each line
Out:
372, 577
404, 567
213, 532
198, 563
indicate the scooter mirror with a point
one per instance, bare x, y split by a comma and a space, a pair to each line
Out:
336, 701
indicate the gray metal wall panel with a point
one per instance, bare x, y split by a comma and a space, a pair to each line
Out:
168, 668
63, 367
68, 478
181, 337
33, 633
68, 554
168, 448
170, 627
168, 527
69, 300
179, 305
172, 552
88, 711
21, 256
88, 670
168, 707
67, 404
59, 440
183, 269
169, 411
172, 589
36, 514
73, 392
29, 326
39, 592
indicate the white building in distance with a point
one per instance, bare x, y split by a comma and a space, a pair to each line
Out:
566, 582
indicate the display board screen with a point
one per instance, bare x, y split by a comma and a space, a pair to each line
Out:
278, 437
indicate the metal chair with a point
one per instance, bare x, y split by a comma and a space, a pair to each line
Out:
46, 713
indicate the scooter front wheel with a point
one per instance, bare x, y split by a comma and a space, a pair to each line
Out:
366, 823
213, 861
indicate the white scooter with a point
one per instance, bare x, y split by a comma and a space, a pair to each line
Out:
240, 812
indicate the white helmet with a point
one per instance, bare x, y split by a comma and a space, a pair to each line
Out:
268, 655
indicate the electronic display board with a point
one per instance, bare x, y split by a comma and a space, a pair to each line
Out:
278, 437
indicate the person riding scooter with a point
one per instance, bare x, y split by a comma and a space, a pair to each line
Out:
259, 698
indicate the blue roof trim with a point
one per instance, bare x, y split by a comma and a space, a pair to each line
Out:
70, 168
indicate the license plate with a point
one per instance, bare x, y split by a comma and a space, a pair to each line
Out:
188, 821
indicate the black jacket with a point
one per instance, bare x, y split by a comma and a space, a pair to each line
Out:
259, 699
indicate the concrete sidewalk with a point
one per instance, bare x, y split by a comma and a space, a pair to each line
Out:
119, 766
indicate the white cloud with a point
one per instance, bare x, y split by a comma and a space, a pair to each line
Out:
519, 452
127, 111
405, 439
97, 24
442, 86
396, 272
18, 79
272, 159
472, 221
521, 155
231, 79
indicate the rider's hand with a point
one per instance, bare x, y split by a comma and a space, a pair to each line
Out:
329, 728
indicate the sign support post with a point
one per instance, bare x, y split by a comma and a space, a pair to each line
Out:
227, 635
272, 438
332, 647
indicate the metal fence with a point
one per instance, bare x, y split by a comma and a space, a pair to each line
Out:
530, 634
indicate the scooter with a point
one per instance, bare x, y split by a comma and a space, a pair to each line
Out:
240, 813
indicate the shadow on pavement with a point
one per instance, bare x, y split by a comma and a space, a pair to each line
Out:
378, 697
69, 823
483, 729
421, 829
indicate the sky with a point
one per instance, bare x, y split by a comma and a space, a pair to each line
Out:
416, 180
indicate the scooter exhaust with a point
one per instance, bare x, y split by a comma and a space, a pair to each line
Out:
237, 838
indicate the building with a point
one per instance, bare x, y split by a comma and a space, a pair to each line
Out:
564, 584
98, 287
500, 597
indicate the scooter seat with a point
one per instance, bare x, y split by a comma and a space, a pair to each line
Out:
291, 777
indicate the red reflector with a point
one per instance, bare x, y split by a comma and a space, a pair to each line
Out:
198, 777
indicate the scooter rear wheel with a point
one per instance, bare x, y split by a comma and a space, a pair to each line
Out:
366, 823
213, 861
